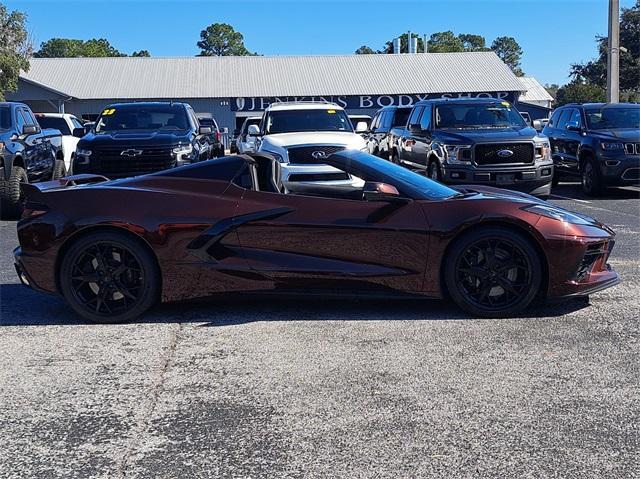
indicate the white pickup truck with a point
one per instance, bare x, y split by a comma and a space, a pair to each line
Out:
300, 135
66, 123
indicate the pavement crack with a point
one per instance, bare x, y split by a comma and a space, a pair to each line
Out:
142, 423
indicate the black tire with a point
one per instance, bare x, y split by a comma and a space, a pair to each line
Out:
59, 169
590, 178
11, 197
493, 250
433, 171
115, 263
395, 158
556, 179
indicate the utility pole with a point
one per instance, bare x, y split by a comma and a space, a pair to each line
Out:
613, 53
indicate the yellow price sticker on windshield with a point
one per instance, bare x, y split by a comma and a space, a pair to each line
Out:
109, 111
505, 103
331, 111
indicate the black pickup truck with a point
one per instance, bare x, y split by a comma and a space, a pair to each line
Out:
131, 139
479, 140
28, 154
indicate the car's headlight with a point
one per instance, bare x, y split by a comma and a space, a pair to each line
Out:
612, 146
277, 156
183, 154
82, 156
543, 150
457, 154
559, 214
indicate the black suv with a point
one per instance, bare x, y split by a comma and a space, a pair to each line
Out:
474, 140
599, 142
378, 135
215, 138
131, 139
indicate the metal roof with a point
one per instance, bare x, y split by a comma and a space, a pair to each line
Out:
534, 90
254, 76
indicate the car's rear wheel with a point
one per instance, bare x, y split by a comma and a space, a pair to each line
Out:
493, 272
109, 277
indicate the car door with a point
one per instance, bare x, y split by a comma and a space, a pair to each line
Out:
316, 242
382, 133
408, 141
557, 139
422, 146
372, 140
40, 156
572, 139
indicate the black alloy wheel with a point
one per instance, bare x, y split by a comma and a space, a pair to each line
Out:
108, 277
493, 273
591, 182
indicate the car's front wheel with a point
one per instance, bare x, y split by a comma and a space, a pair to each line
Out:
493, 272
591, 181
109, 277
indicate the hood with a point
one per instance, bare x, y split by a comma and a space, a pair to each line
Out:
341, 138
129, 139
627, 135
482, 135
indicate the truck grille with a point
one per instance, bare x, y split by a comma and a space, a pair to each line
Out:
487, 154
111, 163
302, 154
632, 148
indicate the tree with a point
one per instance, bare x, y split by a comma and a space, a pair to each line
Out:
365, 50
404, 46
67, 48
509, 51
445, 42
595, 71
15, 49
141, 53
220, 39
577, 92
473, 43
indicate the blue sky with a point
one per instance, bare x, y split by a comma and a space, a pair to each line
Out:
552, 33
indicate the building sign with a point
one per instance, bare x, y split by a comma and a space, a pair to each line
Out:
362, 102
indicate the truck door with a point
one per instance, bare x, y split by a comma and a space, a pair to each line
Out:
409, 140
422, 145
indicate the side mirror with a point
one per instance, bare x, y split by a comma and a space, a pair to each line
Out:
375, 191
224, 130
573, 126
88, 127
78, 132
29, 130
253, 130
537, 124
415, 129
205, 130
361, 127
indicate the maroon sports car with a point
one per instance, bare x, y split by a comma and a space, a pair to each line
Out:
114, 248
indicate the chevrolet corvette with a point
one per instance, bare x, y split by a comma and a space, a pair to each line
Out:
113, 249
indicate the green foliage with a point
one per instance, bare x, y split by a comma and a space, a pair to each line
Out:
576, 92
15, 49
365, 50
595, 71
445, 42
220, 39
509, 51
473, 43
68, 48
141, 53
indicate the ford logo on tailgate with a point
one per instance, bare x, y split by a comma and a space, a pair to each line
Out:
505, 153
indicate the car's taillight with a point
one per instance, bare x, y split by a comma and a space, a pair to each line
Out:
33, 209
218, 136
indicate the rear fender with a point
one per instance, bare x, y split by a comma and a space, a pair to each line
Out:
36, 191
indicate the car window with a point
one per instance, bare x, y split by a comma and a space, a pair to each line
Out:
386, 119
20, 122
575, 116
28, 117
554, 118
618, 117
415, 115
425, 119
564, 118
143, 117
400, 117
5, 117
54, 122
375, 121
76, 123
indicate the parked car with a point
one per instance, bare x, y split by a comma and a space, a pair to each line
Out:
355, 119
28, 153
597, 142
113, 249
66, 124
215, 138
540, 123
246, 143
383, 121
136, 138
299, 134
474, 141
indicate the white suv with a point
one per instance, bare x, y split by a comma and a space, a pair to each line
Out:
300, 135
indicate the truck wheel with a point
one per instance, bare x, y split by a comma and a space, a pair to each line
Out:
11, 198
433, 171
394, 158
591, 180
59, 170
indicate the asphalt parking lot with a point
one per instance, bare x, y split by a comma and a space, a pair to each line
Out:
376, 389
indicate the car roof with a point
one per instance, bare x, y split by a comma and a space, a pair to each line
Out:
396, 107
147, 103
599, 105
301, 105
496, 101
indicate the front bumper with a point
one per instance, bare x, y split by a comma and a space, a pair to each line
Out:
620, 169
534, 179
306, 178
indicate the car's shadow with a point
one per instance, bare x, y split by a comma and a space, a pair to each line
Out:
573, 190
20, 306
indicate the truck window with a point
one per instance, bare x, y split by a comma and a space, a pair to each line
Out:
401, 116
287, 121
5, 117
55, 123
20, 121
425, 119
143, 117
564, 118
415, 116
28, 117
478, 115
387, 116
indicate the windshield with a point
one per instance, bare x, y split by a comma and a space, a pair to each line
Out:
139, 117
401, 117
286, 121
617, 118
5, 117
488, 115
56, 123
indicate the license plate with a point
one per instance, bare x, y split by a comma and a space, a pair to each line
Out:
505, 179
